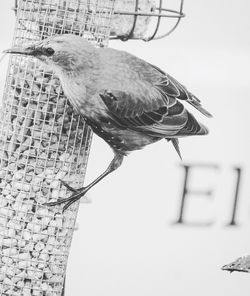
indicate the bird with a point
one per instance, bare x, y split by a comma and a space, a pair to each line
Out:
126, 101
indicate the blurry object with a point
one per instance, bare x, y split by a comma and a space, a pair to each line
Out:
241, 264
2, 57
133, 19
145, 19
127, 24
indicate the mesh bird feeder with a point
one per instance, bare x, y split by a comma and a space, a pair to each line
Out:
41, 142
133, 19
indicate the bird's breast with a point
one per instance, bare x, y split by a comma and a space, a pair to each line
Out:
86, 104
122, 140
74, 92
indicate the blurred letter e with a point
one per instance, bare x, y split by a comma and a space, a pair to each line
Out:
198, 192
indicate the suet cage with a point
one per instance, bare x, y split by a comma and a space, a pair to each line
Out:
132, 19
42, 141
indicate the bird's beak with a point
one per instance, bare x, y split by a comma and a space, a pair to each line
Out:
32, 51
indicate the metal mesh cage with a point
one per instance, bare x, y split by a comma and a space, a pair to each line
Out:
133, 19
41, 142
145, 19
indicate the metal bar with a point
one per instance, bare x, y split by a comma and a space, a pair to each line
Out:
175, 26
130, 34
158, 23
177, 14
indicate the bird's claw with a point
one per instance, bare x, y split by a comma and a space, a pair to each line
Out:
78, 193
68, 202
50, 204
68, 186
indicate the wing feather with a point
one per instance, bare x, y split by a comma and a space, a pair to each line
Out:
162, 118
170, 86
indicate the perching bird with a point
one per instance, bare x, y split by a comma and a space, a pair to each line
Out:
125, 100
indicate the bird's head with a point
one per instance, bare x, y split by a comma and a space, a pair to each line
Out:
67, 53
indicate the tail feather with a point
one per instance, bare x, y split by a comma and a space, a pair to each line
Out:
175, 143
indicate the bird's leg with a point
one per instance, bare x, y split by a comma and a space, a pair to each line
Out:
78, 193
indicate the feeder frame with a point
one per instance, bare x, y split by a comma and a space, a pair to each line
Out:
161, 13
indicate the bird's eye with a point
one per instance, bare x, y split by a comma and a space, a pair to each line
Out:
49, 51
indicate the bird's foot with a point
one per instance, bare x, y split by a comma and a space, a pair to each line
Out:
124, 37
77, 194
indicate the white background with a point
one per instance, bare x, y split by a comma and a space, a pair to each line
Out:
127, 243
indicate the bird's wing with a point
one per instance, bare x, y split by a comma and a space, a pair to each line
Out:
158, 115
170, 86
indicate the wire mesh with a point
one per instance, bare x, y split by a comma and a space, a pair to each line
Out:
133, 19
146, 19
41, 142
